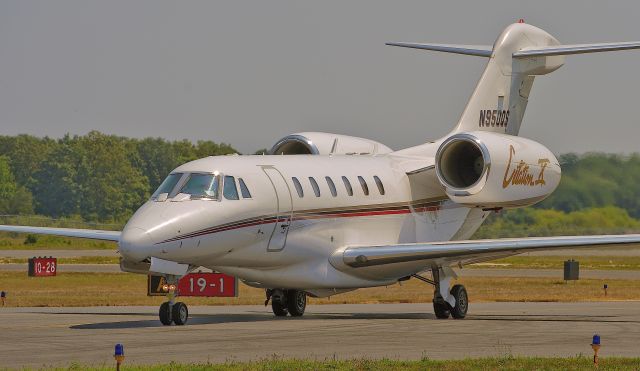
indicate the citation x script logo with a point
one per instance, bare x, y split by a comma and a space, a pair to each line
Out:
521, 174
489, 118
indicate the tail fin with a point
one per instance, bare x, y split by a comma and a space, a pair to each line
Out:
520, 53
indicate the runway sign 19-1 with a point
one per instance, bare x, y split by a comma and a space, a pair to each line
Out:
196, 284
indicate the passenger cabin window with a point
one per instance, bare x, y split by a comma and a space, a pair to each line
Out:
202, 186
315, 187
298, 186
230, 190
167, 185
243, 189
379, 184
365, 187
332, 186
347, 185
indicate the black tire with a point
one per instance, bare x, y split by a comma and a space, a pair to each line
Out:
441, 309
462, 302
279, 305
296, 302
165, 314
180, 313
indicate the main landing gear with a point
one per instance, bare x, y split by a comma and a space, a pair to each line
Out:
283, 302
171, 311
447, 303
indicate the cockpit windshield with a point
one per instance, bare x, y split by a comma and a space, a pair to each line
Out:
202, 186
167, 185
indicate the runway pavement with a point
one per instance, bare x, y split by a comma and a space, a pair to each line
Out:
32, 337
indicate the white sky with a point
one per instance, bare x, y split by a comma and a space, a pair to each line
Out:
250, 72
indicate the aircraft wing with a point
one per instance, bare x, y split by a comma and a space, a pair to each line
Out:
66, 232
471, 251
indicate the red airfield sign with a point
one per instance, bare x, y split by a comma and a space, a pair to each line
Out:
196, 284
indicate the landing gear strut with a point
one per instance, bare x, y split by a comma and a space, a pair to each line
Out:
171, 311
447, 303
283, 302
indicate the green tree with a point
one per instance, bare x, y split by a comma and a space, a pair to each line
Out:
14, 199
91, 176
26, 153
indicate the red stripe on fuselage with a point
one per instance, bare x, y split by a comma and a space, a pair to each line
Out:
323, 215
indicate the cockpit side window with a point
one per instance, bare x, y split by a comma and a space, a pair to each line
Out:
230, 190
243, 189
202, 186
167, 185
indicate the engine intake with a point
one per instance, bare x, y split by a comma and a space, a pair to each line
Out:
484, 169
461, 162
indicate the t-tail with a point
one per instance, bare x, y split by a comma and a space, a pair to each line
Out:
519, 54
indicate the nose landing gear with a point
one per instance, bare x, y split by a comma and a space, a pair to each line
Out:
170, 311
283, 302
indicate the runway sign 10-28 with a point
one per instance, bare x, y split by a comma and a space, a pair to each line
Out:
43, 267
196, 284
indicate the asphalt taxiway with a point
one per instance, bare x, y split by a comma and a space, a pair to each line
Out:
35, 337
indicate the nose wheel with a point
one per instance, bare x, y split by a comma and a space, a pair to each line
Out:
173, 312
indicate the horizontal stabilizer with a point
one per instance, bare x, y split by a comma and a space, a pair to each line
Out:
575, 49
477, 50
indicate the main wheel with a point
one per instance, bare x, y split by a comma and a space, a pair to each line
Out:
279, 304
165, 314
180, 313
441, 309
296, 302
462, 302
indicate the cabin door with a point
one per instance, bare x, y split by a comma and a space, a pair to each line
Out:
283, 211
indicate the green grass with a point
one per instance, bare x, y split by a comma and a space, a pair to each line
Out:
73, 260
557, 262
106, 289
20, 241
494, 363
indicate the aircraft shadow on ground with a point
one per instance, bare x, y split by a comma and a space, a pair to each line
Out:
207, 319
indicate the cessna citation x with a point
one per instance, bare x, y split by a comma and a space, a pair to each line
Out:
346, 212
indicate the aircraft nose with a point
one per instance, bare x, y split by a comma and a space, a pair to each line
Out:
135, 244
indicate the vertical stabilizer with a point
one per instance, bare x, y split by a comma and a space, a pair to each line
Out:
499, 100
520, 53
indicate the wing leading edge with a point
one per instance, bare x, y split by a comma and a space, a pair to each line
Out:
469, 251
65, 232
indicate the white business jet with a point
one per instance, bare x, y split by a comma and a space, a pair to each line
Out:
346, 213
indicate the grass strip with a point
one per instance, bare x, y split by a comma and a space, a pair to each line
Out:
557, 262
108, 289
469, 364
73, 260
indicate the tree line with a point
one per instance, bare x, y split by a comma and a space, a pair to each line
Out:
105, 178
97, 177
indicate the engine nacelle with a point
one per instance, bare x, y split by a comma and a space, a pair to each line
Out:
326, 144
491, 170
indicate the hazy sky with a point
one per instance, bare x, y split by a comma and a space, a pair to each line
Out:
249, 72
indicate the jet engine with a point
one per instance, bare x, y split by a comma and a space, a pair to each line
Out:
312, 143
492, 170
